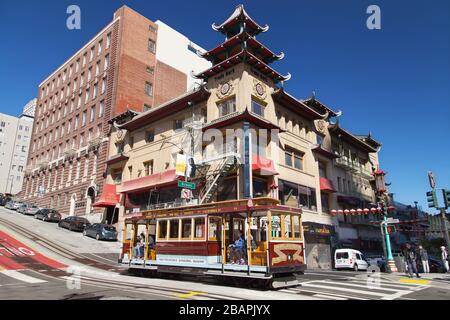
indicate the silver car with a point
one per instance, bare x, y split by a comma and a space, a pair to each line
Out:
29, 210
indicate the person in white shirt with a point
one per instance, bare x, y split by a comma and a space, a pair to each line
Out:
444, 256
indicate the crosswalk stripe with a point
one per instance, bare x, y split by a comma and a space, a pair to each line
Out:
369, 293
319, 295
20, 276
302, 291
367, 286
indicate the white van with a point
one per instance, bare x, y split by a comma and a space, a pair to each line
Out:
350, 259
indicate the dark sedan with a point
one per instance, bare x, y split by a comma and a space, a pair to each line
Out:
74, 223
101, 231
50, 215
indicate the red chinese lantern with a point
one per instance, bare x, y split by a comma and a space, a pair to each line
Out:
359, 211
366, 211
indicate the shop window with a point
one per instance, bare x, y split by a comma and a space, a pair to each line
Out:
199, 228
173, 229
149, 136
215, 229
259, 187
162, 229
325, 200
186, 228
227, 190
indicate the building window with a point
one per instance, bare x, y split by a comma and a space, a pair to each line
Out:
92, 114
148, 168
104, 86
177, 124
100, 45
150, 70
117, 176
106, 65
83, 119
322, 169
101, 108
108, 40
294, 159
146, 107
91, 56
148, 89
151, 46
152, 28
149, 136
257, 108
227, 107
119, 147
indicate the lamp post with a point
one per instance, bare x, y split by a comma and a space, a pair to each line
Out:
383, 203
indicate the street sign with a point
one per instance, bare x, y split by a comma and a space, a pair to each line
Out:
186, 185
186, 194
392, 220
432, 180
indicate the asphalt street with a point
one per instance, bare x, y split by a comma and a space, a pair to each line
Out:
66, 265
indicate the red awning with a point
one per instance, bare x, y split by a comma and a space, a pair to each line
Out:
326, 185
148, 182
263, 165
109, 197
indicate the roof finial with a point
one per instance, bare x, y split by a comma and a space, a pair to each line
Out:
313, 97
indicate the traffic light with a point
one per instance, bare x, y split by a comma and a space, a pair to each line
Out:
431, 199
446, 198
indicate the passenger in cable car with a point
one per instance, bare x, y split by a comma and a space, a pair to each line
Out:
139, 248
236, 250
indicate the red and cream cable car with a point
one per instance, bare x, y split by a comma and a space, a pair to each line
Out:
204, 240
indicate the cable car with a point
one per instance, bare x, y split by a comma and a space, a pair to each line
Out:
255, 242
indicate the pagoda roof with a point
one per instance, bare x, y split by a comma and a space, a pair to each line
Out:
369, 140
354, 140
167, 108
232, 24
250, 59
314, 103
297, 106
219, 52
246, 115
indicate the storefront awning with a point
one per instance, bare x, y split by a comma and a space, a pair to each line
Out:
148, 182
326, 185
108, 198
263, 166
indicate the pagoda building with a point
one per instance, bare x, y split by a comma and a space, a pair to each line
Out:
240, 45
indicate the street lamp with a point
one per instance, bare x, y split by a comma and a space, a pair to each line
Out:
382, 197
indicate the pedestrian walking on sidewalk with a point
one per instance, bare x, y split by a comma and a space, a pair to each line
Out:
411, 260
423, 254
444, 256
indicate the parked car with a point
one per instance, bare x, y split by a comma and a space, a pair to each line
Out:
13, 205
48, 215
74, 223
350, 259
101, 231
4, 199
28, 209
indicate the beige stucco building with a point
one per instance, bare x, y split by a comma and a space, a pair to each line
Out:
248, 138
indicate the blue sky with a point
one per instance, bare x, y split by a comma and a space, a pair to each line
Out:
393, 82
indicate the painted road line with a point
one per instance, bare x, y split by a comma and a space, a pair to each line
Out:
369, 293
388, 285
414, 281
368, 287
324, 296
20, 276
304, 291
190, 294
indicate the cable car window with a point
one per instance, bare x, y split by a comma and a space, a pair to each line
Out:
215, 229
173, 227
287, 226
186, 228
276, 226
296, 223
162, 227
199, 227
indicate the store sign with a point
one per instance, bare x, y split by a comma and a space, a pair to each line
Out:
181, 165
319, 229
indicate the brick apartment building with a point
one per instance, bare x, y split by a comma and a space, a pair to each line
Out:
119, 69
